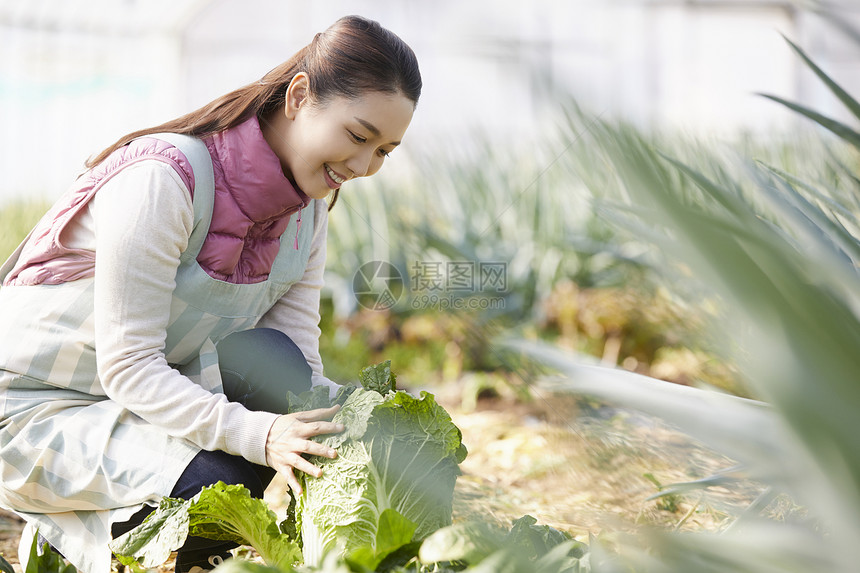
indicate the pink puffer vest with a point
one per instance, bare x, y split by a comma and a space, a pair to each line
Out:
252, 208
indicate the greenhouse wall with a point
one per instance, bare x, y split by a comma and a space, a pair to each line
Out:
76, 75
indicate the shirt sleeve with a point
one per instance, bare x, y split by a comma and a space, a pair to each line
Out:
143, 218
297, 314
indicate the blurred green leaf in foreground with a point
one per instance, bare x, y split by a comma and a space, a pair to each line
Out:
781, 253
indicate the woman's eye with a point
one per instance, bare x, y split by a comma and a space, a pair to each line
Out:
361, 140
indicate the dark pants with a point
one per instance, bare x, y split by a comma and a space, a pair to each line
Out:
258, 368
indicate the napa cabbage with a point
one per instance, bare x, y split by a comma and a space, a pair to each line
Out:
391, 486
393, 480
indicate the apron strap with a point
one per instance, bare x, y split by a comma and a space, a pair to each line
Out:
197, 154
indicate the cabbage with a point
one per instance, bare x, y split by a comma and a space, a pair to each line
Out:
393, 480
391, 486
221, 511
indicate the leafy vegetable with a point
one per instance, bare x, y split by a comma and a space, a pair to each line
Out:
393, 480
525, 545
378, 377
471, 542
537, 540
5, 566
222, 512
41, 560
245, 566
229, 513
316, 397
394, 532
391, 486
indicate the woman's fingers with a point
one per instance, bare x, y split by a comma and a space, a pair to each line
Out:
301, 464
292, 481
289, 439
317, 449
288, 463
287, 456
289, 426
318, 414
310, 429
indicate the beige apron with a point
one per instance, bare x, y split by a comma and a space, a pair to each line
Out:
71, 460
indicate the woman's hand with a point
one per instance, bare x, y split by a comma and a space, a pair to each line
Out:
289, 439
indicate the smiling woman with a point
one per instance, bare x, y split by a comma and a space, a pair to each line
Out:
355, 60
323, 145
158, 315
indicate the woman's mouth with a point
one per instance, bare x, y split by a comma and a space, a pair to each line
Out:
333, 179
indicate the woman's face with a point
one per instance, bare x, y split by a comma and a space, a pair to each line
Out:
321, 146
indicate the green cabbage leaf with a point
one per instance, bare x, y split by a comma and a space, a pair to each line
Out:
223, 512
393, 480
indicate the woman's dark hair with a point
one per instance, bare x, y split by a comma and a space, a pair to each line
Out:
353, 56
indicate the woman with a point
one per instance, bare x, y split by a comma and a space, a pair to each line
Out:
156, 317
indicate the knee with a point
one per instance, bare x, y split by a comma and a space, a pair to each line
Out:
259, 366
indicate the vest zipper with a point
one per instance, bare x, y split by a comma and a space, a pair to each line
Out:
298, 227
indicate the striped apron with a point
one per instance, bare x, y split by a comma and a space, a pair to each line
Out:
71, 460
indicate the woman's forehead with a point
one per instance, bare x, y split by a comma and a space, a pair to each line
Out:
383, 115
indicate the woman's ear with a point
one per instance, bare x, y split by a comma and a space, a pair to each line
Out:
297, 94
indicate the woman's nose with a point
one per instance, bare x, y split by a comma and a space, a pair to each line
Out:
360, 164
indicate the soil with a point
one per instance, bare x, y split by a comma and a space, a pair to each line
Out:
572, 464
10, 533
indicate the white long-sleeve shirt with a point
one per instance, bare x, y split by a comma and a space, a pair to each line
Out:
137, 244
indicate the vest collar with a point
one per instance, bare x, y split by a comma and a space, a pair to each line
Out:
252, 172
